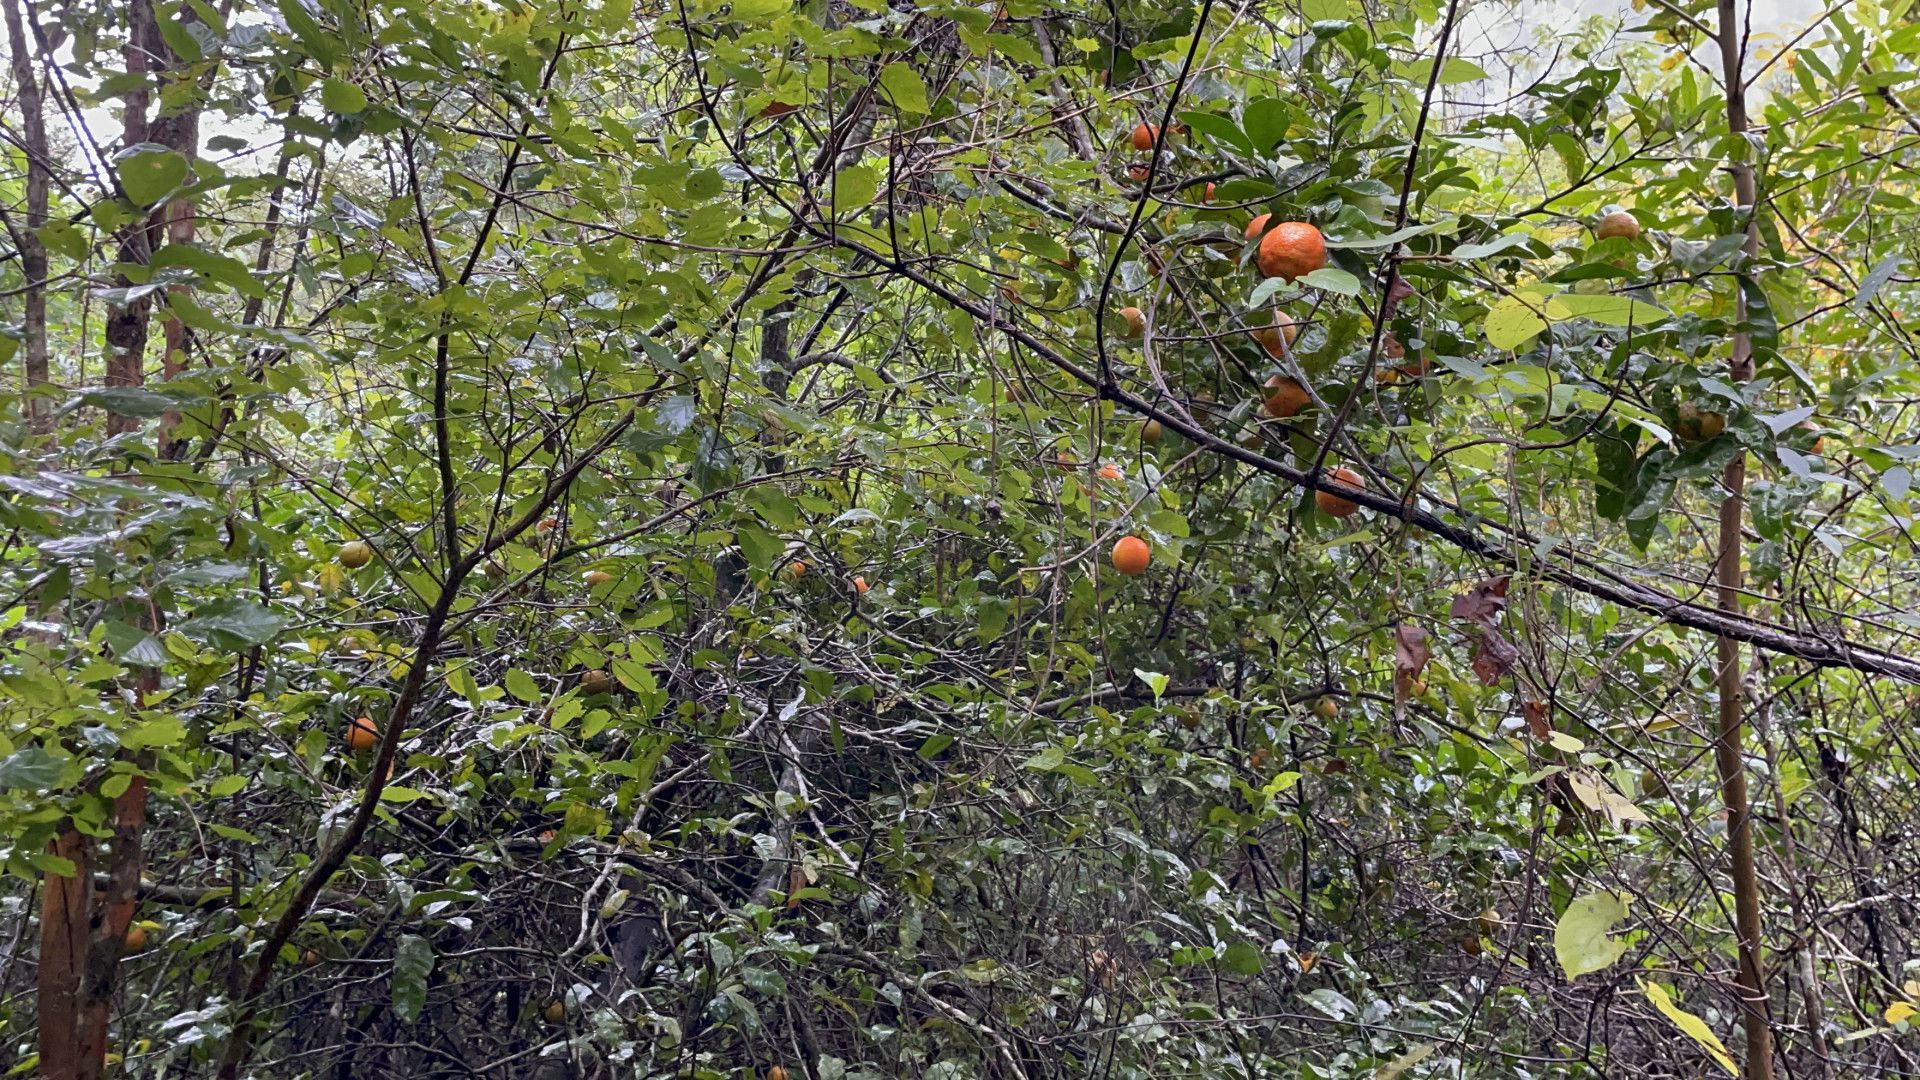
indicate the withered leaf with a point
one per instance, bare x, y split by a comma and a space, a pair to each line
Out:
1482, 604
1537, 724
1493, 655
1410, 655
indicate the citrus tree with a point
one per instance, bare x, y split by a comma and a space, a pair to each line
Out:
880, 538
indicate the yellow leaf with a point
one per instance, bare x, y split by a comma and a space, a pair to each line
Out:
1692, 1026
1901, 1010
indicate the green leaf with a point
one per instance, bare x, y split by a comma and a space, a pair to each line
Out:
1582, 939
854, 188
1690, 1025
31, 769
226, 785
150, 172
904, 87
1876, 277
412, 962
522, 686
233, 623
1334, 280
1219, 129
1244, 959
1046, 760
759, 10
224, 269
339, 96
1266, 121
1602, 308
1512, 322
1153, 679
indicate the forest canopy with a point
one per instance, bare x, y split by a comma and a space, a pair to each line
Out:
899, 538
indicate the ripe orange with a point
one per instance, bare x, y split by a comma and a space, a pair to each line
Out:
1143, 136
798, 568
596, 578
1285, 396
1819, 446
555, 1012
1131, 556
355, 554
1327, 708
136, 939
1291, 250
596, 681
1258, 225
1136, 321
1335, 505
860, 584
1278, 336
1150, 432
1618, 223
362, 734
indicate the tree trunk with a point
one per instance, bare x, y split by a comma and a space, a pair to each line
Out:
33, 253
1728, 757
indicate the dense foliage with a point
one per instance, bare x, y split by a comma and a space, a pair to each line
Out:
578, 538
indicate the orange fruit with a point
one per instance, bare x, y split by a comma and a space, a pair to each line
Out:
1291, 250
1143, 136
860, 584
1335, 505
1150, 432
1131, 556
555, 1012
1210, 190
354, 554
1819, 437
1136, 321
1618, 223
136, 939
1278, 336
798, 568
778, 1072
1697, 424
1327, 708
1285, 396
547, 525
596, 578
362, 735
596, 681
1258, 225
310, 958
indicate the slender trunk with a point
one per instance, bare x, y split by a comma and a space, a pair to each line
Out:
33, 253
1727, 754
126, 329
64, 907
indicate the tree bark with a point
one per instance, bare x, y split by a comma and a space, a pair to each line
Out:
1729, 758
33, 252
